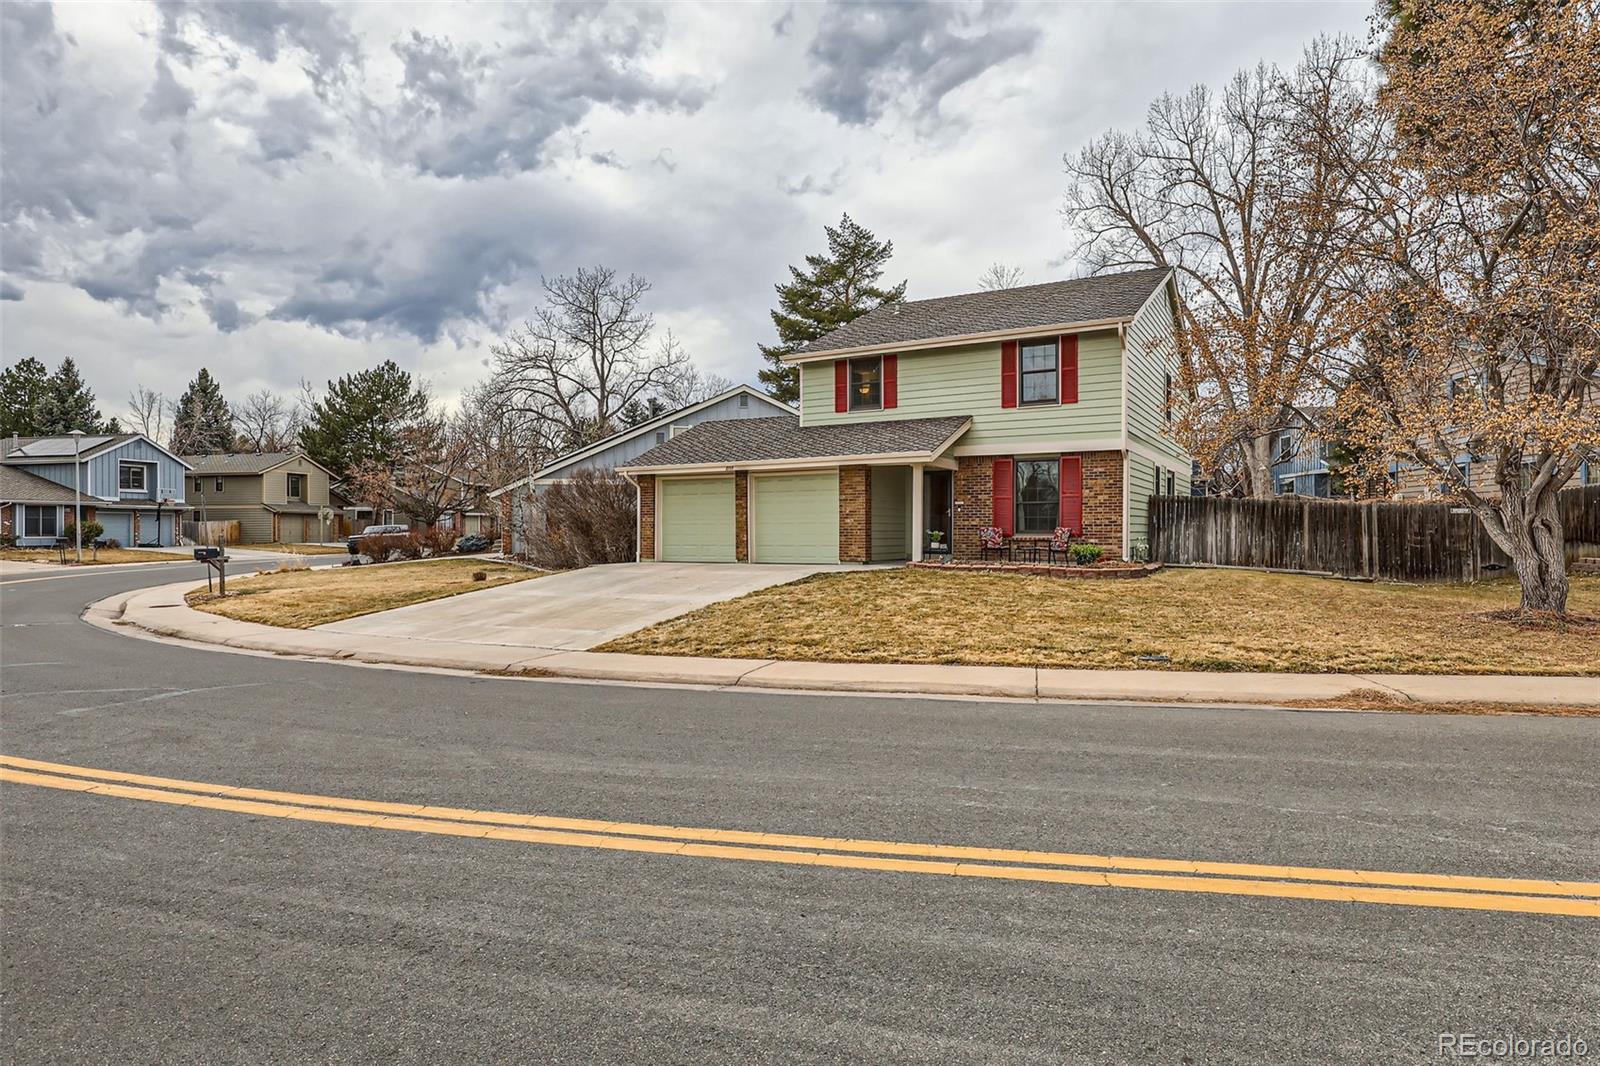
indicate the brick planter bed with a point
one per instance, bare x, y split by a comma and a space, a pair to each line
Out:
1114, 571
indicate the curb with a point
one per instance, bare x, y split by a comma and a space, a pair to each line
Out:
162, 612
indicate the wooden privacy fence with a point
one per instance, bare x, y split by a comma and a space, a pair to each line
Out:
1390, 541
208, 532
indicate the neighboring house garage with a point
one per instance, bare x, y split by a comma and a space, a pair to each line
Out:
794, 518
697, 520
117, 526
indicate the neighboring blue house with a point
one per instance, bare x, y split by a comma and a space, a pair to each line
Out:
128, 483
1299, 460
519, 500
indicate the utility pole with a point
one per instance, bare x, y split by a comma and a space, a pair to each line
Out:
77, 490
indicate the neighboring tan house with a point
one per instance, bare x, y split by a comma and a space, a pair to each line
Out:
466, 512
276, 497
519, 501
1026, 410
127, 482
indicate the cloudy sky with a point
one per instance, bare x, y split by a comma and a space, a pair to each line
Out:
286, 190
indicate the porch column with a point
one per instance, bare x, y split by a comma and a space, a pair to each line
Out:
918, 503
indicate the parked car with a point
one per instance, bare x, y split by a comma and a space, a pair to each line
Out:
353, 545
473, 543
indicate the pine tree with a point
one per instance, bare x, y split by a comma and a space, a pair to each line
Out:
833, 289
364, 418
23, 387
638, 412
68, 404
202, 423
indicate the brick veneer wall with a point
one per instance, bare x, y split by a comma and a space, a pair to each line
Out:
1102, 502
647, 516
855, 514
741, 516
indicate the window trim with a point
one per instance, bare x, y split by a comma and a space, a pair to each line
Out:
125, 466
53, 511
1017, 502
219, 485
288, 486
1054, 371
850, 372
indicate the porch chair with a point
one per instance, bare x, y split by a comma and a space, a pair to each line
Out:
1061, 543
992, 541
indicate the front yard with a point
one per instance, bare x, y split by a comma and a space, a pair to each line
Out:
294, 549
300, 599
104, 557
1198, 619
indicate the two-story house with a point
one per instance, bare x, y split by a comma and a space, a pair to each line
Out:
922, 423
521, 517
127, 482
275, 497
1300, 456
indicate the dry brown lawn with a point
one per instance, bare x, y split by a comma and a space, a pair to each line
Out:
293, 549
104, 557
300, 599
1200, 619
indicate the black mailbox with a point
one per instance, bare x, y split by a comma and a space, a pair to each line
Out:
207, 553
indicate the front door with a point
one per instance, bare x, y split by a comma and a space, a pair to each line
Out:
938, 511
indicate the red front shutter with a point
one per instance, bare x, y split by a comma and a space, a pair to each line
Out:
891, 381
1003, 492
1072, 494
841, 384
1069, 368
1008, 374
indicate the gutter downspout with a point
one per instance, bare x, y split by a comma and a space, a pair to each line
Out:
1127, 458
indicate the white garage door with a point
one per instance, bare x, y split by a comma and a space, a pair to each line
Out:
696, 520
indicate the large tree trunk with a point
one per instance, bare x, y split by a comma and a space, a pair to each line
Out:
1533, 537
1257, 454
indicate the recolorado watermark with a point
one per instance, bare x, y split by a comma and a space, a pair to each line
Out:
1490, 1046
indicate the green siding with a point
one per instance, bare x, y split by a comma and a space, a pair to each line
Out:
966, 381
891, 513
1152, 355
795, 518
696, 520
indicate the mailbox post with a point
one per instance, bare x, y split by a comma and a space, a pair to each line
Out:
216, 559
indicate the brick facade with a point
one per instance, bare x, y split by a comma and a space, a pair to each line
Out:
647, 516
855, 514
741, 516
1102, 502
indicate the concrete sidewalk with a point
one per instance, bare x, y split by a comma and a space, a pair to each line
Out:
161, 611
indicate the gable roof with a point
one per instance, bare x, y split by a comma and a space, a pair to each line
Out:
58, 447
245, 462
1107, 298
588, 451
745, 442
19, 486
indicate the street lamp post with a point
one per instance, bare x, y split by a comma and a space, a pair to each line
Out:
77, 491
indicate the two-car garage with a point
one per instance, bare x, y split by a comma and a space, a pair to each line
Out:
794, 518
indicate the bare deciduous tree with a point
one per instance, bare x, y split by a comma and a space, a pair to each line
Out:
1220, 188
1000, 276
587, 353
265, 422
147, 411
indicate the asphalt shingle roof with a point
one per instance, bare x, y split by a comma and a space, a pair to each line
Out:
59, 446
1051, 304
237, 462
736, 441
19, 486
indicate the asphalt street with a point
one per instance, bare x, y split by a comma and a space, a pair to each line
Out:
142, 932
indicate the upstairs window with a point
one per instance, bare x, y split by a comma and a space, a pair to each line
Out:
130, 477
866, 384
1038, 365
1284, 448
297, 487
1167, 403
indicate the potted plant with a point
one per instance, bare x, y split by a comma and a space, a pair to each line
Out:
936, 541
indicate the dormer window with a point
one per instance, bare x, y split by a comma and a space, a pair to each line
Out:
866, 384
1039, 364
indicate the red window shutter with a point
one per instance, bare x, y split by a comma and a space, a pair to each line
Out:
1003, 491
891, 381
1069, 368
841, 384
1008, 374
1072, 494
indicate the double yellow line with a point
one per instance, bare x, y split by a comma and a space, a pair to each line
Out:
1575, 898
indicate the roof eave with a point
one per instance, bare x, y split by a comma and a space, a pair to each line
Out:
872, 459
958, 339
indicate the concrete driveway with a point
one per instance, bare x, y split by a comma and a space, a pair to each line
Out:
578, 609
